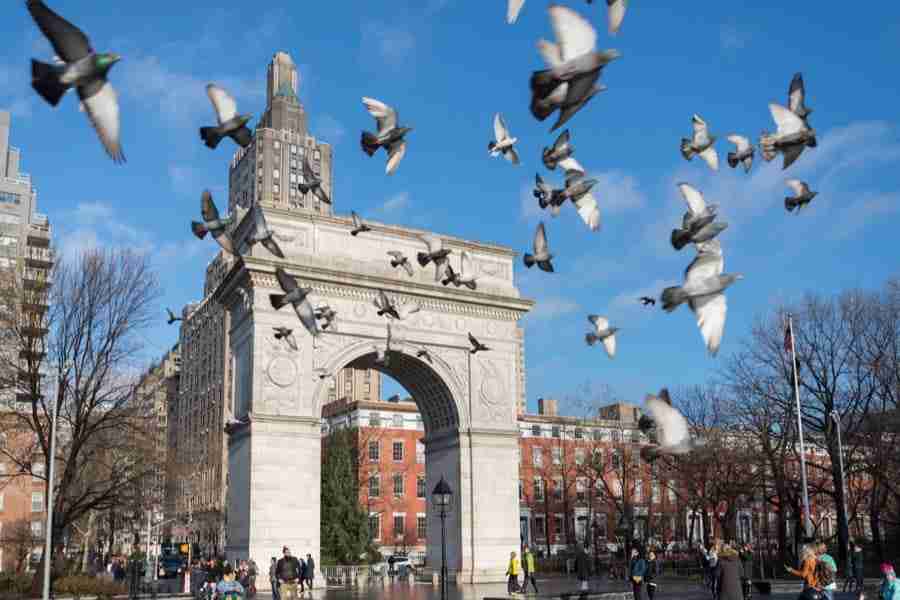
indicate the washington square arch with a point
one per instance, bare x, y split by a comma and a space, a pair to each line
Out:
468, 401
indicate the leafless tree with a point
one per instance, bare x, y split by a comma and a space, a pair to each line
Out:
81, 348
18, 540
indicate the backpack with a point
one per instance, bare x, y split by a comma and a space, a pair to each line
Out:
824, 575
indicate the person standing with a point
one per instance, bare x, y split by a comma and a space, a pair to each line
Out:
287, 570
302, 579
229, 588
528, 568
746, 556
650, 575
856, 575
582, 568
637, 569
890, 589
273, 578
730, 575
310, 571
714, 569
826, 576
512, 574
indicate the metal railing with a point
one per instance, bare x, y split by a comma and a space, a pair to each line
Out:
353, 575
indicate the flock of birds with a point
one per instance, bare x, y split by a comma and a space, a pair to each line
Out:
574, 66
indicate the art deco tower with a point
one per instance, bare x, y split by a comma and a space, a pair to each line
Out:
270, 168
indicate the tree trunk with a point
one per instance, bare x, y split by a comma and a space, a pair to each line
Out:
87, 538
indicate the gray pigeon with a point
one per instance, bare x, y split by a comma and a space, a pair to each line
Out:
615, 14
310, 182
797, 104
503, 144
358, 225
213, 223
704, 291
398, 259
296, 297
701, 144
476, 345
647, 301
387, 306
802, 195
578, 190
283, 333
791, 137
231, 124
697, 224
466, 274
172, 317
436, 253
383, 353
547, 196
327, 314
541, 256
743, 153
574, 67
262, 234
79, 67
423, 353
561, 149
603, 333
390, 136
672, 432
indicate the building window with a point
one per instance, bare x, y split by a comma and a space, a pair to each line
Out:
277, 145
374, 451
9, 198
616, 460
399, 525
420, 453
579, 434
397, 451
420, 487
538, 489
374, 486
555, 431
557, 488
37, 501
317, 155
579, 456
293, 149
616, 436
375, 526
37, 528
557, 526
521, 489
259, 173
638, 490
397, 421
536, 431
398, 485
557, 455
598, 435
421, 527
581, 489
537, 457
635, 437
374, 420
540, 527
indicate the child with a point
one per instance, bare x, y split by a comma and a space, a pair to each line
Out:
228, 588
890, 589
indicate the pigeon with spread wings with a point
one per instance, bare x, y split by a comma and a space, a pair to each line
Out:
602, 333
79, 66
701, 144
697, 225
359, 225
743, 153
283, 333
172, 318
261, 234
213, 223
398, 259
466, 274
542, 255
671, 428
296, 297
561, 149
436, 253
802, 195
578, 190
311, 182
389, 136
790, 138
476, 345
797, 104
231, 124
504, 142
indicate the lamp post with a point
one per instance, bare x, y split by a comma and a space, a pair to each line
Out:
837, 422
442, 500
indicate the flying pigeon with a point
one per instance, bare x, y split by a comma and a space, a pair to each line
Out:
424, 353
298, 298
283, 333
358, 225
232, 425
791, 137
703, 290
743, 154
79, 66
615, 14
390, 136
647, 301
802, 195
466, 275
172, 317
604, 333
547, 196
672, 434
212, 223
561, 149
697, 224
574, 67
262, 234
382, 354
398, 259
389, 307
436, 254
504, 142
541, 256
231, 124
476, 345
512, 10
578, 189
796, 102
325, 313
702, 144
646, 423
310, 182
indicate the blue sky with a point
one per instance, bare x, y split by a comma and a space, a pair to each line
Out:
448, 66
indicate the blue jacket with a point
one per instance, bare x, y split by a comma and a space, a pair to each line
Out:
638, 567
890, 589
229, 589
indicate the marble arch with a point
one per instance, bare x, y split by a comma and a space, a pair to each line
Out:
468, 402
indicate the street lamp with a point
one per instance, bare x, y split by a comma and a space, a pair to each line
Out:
442, 501
48, 540
837, 422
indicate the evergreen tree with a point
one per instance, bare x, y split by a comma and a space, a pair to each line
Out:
345, 536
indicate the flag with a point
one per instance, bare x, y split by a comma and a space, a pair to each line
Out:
787, 338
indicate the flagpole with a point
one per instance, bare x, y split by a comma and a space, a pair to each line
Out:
806, 524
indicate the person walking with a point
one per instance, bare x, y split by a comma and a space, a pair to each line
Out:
637, 569
287, 570
650, 575
746, 557
528, 568
301, 581
827, 574
730, 575
512, 574
890, 588
855, 565
310, 571
807, 572
273, 578
582, 567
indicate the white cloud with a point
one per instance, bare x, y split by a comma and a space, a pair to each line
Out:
393, 205
617, 191
393, 44
551, 308
859, 214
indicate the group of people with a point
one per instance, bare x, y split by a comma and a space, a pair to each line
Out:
221, 580
526, 565
818, 571
289, 573
738, 562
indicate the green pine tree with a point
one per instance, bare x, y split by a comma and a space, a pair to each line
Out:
345, 536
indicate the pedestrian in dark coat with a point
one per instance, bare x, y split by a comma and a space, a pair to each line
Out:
746, 556
310, 571
730, 574
582, 568
650, 575
855, 572
637, 570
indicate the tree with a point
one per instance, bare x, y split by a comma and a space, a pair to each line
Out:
77, 345
17, 539
345, 531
